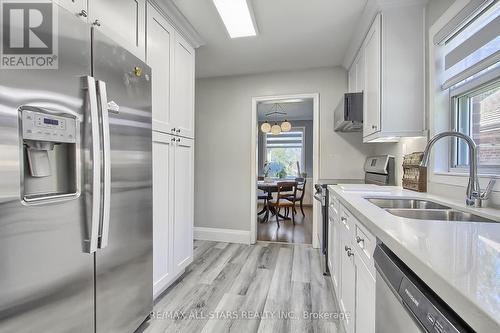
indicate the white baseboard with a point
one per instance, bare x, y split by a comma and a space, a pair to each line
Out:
222, 235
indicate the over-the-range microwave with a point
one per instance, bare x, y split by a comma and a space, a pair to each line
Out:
348, 115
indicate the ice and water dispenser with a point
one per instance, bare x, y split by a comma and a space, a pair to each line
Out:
50, 157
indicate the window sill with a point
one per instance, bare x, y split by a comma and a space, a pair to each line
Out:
461, 179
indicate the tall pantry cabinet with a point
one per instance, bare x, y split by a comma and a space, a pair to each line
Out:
172, 62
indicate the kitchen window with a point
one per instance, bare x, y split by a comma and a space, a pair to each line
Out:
284, 151
470, 72
477, 114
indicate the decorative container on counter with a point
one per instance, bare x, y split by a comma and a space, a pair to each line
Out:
414, 175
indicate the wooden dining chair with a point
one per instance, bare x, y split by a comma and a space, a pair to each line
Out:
285, 190
301, 189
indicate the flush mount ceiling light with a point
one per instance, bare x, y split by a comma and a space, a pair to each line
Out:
237, 17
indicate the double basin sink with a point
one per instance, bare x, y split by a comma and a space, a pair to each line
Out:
424, 210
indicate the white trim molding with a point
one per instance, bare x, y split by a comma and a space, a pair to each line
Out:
168, 9
222, 235
254, 160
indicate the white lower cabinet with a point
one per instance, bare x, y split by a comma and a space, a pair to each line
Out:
350, 260
365, 297
183, 203
348, 284
173, 194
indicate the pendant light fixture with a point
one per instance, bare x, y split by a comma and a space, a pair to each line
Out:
286, 126
276, 110
276, 129
265, 127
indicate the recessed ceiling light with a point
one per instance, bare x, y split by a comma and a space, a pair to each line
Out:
236, 17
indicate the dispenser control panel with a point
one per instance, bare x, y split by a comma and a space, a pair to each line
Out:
44, 127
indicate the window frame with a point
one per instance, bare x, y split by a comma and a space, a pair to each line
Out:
301, 129
482, 82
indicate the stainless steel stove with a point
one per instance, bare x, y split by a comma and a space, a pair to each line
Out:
379, 170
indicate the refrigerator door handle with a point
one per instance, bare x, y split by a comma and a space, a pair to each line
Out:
106, 153
96, 166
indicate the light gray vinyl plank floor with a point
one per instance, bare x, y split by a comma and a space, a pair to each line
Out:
267, 287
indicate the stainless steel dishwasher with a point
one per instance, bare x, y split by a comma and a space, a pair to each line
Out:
405, 304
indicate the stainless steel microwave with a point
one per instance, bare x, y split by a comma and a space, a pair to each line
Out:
348, 115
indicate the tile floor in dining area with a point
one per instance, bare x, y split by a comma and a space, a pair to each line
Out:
266, 287
300, 233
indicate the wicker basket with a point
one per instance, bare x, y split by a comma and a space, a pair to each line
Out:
414, 175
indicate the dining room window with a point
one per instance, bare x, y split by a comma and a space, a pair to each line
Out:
285, 153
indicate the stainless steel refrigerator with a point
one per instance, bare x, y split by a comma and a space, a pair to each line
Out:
75, 189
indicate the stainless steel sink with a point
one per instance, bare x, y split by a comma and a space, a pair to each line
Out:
386, 203
438, 214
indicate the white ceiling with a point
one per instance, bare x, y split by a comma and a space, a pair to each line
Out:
295, 111
293, 34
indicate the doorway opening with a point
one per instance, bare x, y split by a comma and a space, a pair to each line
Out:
284, 168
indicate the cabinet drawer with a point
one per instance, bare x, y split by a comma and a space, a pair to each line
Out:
364, 243
334, 203
347, 220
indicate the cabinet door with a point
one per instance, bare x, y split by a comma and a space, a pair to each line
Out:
159, 58
331, 223
351, 78
337, 249
183, 89
365, 298
162, 211
123, 21
372, 91
183, 203
348, 281
77, 7
360, 71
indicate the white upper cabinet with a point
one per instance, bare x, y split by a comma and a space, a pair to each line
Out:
356, 74
183, 88
372, 93
123, 21
77, 7
159, 57
389, 69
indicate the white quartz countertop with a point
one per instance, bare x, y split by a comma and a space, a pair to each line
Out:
459, 261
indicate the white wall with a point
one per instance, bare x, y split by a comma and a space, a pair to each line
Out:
223, 135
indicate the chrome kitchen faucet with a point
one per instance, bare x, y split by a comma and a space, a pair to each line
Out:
475, 196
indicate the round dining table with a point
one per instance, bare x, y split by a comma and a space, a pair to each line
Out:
270, 187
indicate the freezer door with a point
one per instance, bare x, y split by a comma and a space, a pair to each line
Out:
124, 270
46, 278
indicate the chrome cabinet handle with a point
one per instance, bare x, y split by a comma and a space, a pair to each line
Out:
92, 242
359, 239
173, 139
178, 130
350, 253
106, 163
97, 23
83, 13
173, 130
178, 140
343, 219
374, 126
347, 248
